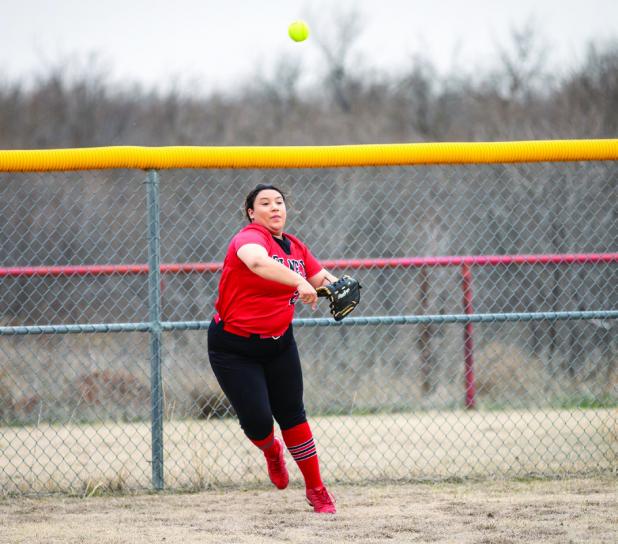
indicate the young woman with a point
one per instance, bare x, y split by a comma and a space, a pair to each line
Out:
251, 344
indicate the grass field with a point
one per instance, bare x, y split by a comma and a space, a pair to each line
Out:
541, 511
86, 460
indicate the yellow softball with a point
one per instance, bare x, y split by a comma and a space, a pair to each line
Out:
299, 31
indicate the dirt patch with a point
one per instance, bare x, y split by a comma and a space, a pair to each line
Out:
574, 510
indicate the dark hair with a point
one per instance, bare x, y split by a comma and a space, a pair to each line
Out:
250, 200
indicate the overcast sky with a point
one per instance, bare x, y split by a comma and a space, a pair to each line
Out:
209, 44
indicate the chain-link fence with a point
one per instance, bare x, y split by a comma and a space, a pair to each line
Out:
502, 363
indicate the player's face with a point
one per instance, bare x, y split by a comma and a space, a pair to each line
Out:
269, 211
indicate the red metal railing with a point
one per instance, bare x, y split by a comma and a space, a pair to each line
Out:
403, 262
466, 285
465, 262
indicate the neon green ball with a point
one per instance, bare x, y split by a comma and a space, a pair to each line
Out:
299, 31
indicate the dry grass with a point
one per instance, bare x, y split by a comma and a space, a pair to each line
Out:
106, 375
201, 454
558, 511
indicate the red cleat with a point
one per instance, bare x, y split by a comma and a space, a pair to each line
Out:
321, 500
277, 471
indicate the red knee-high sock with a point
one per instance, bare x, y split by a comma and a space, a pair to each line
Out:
299, 441
268, 444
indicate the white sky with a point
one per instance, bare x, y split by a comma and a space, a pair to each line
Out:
216, 44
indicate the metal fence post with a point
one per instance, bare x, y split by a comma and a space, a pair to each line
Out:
154, 304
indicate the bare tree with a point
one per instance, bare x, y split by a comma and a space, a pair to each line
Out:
337, 39
523, 62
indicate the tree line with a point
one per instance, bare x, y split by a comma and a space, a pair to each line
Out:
518, 96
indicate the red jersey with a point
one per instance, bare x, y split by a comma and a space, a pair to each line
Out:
250, 304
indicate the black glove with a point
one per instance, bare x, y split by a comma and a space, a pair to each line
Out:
344, 296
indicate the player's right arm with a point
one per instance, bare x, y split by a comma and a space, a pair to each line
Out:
257, 260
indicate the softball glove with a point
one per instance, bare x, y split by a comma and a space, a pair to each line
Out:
344, 296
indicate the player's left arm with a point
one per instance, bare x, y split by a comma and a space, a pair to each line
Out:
323, 277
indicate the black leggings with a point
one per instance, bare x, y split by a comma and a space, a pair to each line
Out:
261, 377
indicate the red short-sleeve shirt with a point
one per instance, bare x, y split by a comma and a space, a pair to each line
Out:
250, 304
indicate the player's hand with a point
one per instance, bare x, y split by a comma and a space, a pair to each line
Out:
307, 294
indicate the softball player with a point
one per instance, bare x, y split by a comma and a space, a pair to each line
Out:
251, 344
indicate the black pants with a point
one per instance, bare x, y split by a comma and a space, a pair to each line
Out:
261, 377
